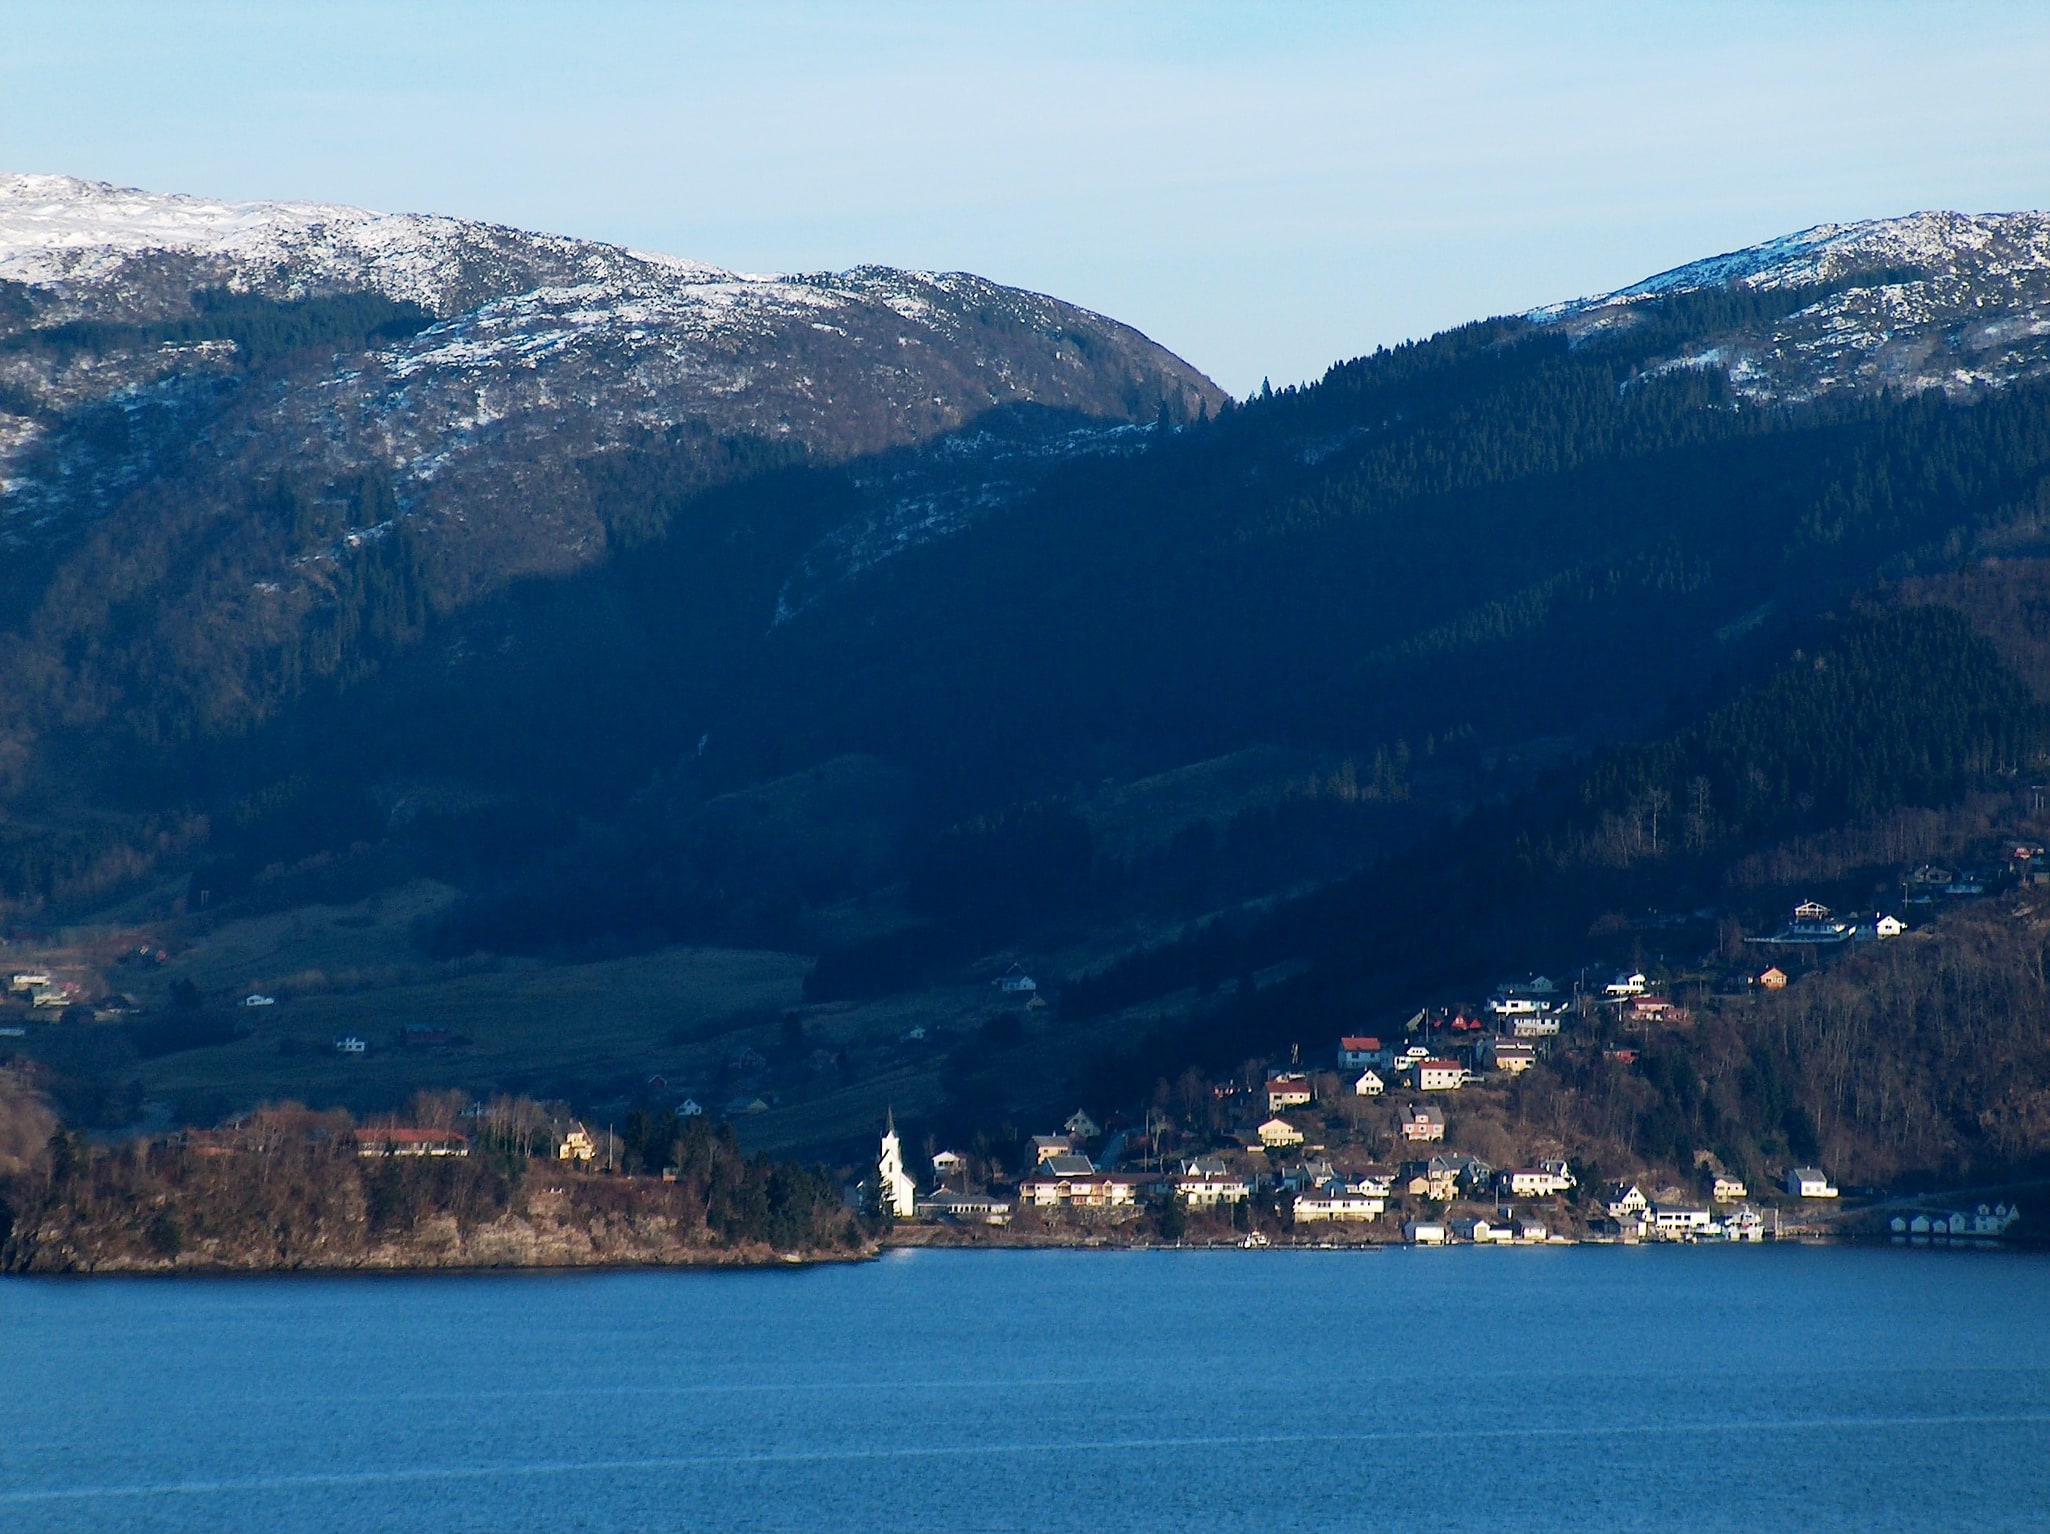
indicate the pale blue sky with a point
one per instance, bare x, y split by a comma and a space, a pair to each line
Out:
1264, 188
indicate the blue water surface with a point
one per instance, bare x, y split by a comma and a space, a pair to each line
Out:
1569, 1388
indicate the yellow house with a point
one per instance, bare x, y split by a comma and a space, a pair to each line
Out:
1279, 1134
577, 1145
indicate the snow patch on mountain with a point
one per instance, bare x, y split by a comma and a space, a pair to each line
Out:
1952, 301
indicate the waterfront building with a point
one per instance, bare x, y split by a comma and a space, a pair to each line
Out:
1809, 1182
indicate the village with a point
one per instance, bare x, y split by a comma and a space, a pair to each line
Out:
1397, 1135
1363, 1145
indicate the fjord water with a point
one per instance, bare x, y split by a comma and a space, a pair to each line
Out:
1574, 1388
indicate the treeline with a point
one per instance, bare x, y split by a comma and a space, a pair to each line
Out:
1888, 710
262, 329
294, 1193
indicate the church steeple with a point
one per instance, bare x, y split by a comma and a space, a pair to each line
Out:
896, 1194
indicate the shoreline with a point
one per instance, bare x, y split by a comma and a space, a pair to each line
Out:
756, 1260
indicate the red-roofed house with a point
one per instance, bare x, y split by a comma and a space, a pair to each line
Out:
411, 1142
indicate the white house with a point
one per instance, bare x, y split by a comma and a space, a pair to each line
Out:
1623, 985
1080, 1126
690, 1108
1336, 1204
1368, 1085
1206, 1190
1624, 1198
1440, 1075
1546, 1181
1809, 1182
1278, 1134
349, 1044
948, 1163
1541, 1025
1425, 1233
258, 999
896, 1194
1681, 1220
1374, 1182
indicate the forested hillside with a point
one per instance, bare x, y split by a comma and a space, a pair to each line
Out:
1491, 652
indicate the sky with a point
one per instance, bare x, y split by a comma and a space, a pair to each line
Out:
1266, 189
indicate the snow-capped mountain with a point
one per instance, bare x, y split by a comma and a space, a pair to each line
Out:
1951, 301
544, 350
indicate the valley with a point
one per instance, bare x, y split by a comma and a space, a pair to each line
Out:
546, 672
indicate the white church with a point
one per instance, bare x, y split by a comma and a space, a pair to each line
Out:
896, 1194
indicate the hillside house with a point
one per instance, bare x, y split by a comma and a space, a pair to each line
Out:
1094, 1190
576, 1144
1368, 1084
1279, 1134
349, 1044
1080, 1126
1425, 1123
1373, 1181
1652, 1009
1304, 1174
1624, 1199
1425, 1233
948, 1163
1210, 1188
1360, 1051
1289, 1089
1547, 1181
1772, 978
1515, 1059
1809, 1182
1440, 1076
1046, 1147
1728, 1190
1540, 1025
411, 1142
1624, 986
1439, 1184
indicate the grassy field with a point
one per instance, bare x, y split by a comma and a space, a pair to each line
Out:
591, 1033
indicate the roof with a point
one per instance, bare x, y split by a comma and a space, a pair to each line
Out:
1359, 1042
410, 1136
